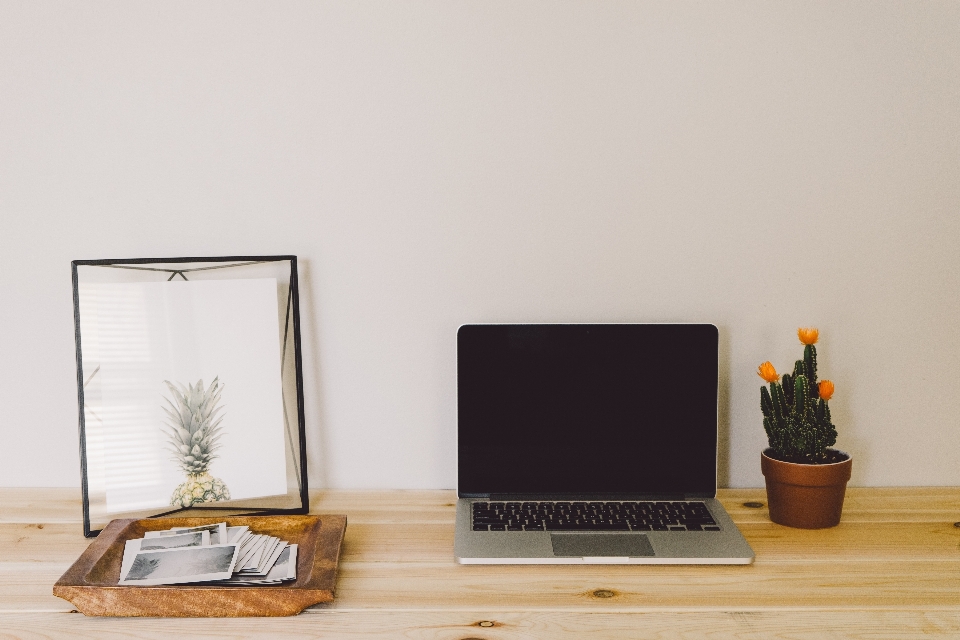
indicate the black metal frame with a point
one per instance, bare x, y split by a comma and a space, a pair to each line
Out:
293, 297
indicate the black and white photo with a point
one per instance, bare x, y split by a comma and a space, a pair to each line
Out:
218, 532
189, 539
178, 566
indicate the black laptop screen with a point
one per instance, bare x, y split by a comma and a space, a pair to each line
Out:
613, 409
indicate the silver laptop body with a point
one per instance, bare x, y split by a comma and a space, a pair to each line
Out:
590, 444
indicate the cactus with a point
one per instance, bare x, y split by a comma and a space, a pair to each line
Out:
795, 417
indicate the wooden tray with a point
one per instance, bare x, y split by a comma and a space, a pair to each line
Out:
91, 583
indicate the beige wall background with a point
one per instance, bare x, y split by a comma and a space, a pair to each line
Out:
758, 165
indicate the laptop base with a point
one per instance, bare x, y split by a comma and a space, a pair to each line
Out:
726, 546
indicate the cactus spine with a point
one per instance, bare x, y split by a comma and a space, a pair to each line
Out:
795, 417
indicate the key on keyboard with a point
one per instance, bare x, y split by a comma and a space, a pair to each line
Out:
592, 516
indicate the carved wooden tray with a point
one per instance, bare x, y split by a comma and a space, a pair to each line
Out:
91, 583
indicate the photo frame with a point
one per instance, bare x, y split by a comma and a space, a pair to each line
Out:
189, 387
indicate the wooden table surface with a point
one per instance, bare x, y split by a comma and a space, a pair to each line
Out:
890, 570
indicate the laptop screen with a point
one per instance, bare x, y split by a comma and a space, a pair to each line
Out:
605, 410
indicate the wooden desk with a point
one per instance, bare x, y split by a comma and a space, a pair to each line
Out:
890, 570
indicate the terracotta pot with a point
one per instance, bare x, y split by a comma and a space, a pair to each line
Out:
805, 496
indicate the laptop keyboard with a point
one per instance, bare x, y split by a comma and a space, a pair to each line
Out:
592, 516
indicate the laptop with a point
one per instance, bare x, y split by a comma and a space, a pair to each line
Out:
590, 443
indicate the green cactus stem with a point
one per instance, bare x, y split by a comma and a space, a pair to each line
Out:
810, 369
797, 421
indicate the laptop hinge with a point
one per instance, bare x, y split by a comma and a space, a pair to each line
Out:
529, 497
582, 497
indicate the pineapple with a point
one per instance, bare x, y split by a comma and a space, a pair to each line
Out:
193, 430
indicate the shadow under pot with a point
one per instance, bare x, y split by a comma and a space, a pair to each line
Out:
805, 496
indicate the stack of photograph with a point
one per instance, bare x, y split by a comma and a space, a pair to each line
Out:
211, 554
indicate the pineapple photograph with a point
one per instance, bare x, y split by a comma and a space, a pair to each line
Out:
193, 429
183, 394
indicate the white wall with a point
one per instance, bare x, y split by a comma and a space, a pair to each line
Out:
758, 165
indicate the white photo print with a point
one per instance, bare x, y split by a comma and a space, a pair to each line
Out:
193, 539
177, 566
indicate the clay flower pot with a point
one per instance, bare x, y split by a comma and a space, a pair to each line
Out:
805, 496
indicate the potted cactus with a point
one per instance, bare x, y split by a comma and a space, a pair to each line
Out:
806, 479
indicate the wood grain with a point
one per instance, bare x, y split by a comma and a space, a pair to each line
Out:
428, 542
408, 585
874, 504
40, 505
734, 624
640, 588
890, 570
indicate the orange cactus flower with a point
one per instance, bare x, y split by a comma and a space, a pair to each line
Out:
826, 389
767, 372
808, 335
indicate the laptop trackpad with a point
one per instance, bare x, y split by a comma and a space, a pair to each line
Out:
629, 545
